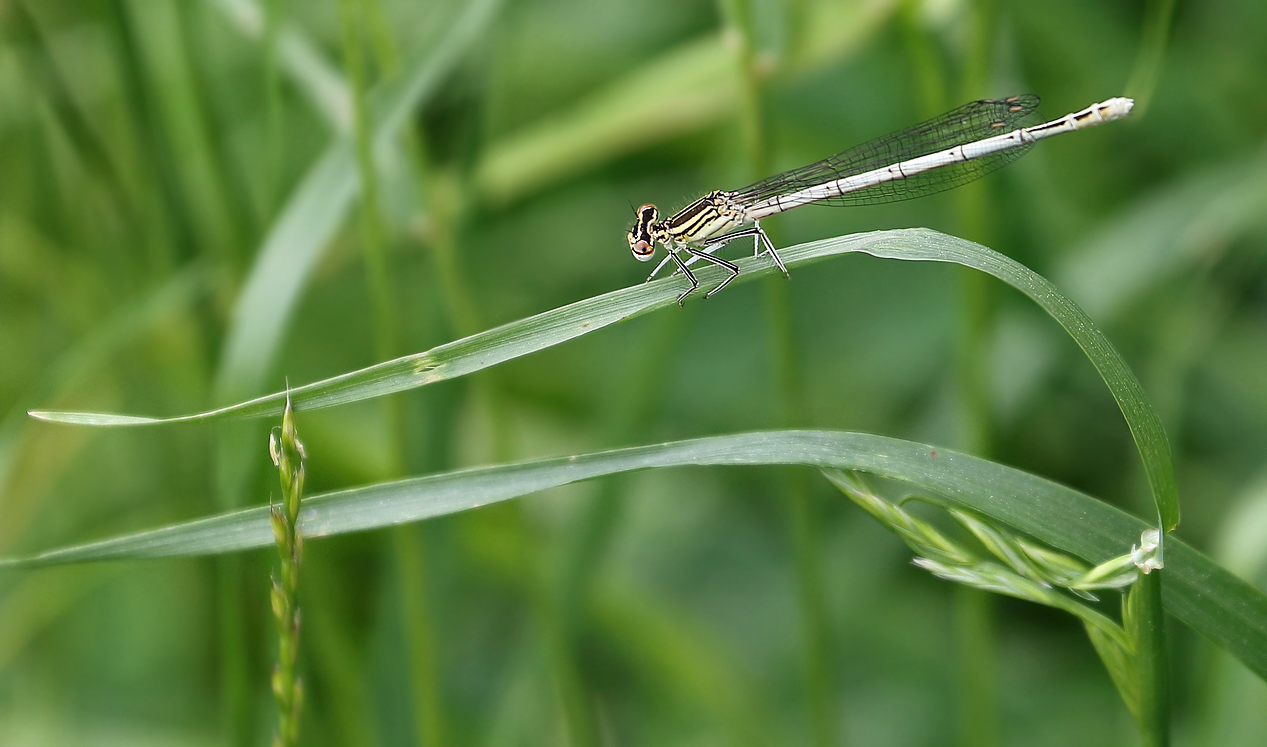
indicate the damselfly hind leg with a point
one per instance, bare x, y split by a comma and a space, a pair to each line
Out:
734, 269
759, 239
756, 249
709, 249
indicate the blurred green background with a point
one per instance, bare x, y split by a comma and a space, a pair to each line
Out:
152, 151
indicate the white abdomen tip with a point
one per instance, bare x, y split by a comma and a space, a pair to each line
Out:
1118, 107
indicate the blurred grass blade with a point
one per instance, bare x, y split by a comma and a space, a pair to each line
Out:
80, 366
682, 90
1158, 22
687, 88
559, 325
300, 58
318, 208
1197, 591
1170, 232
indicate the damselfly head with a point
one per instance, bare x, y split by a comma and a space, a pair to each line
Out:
641, 242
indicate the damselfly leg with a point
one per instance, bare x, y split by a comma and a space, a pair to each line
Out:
734, 270
697, 254
759, 239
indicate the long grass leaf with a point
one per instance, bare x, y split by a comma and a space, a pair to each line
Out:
565, 323
1197, 591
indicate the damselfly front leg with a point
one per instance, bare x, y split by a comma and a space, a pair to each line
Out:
660, 266
685, 271
707, 250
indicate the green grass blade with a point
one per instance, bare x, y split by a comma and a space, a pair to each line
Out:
1197, 591
565, 323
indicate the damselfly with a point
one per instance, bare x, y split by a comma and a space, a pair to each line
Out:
924, 159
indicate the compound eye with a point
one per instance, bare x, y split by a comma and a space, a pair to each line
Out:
642, 250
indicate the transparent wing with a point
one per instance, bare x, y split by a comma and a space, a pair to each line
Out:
968, 123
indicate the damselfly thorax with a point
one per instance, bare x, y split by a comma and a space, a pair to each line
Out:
930, 157
699, 229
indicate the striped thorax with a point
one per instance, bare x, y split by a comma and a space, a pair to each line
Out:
709, 216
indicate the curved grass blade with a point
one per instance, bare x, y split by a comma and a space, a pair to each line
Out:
1197, 591
559, 325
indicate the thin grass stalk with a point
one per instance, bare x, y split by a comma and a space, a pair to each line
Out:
1152, 662
377, 28
234, 673
365, 18
978, 50
976, 301
430, 421
24, 28
336, 664
925, 59
409, 545
236, 229
1158, 21
274, 119
578, 718
449, 196
973, 631
588, 544
178, 241
816, 649
976, 666
444, 210
429, 719
974, 614
373, 243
